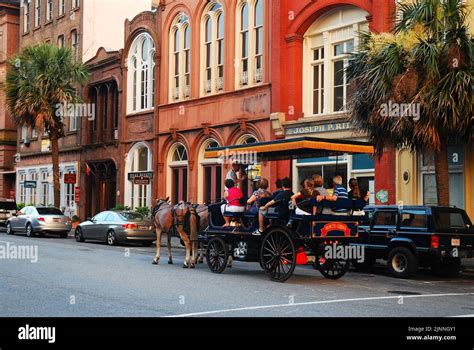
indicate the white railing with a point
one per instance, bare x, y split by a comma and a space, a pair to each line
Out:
258, 75
176, 93
244, 78
220, 83
207, 86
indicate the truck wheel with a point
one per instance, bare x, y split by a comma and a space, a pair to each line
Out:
447, 268
402, 263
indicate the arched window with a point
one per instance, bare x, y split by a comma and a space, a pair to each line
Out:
177, 184
75, 43
326, 47
248, 187
213, 48
141, 83
138, 164
180, 60
250, 40
209, 175
258, 34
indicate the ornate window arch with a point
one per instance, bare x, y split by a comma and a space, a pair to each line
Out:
178, 172
250, 43
180, 58
248, 186
209, 174
326, 46
141, 74
139, 160
212, 48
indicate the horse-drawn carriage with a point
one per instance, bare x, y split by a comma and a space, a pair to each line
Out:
290, 239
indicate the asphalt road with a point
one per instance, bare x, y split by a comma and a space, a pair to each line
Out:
92, 279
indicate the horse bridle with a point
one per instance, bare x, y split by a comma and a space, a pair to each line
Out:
161, 202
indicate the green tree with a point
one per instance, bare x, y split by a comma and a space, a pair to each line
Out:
39, 80
426, 63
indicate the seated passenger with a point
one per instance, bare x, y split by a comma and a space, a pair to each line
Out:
279, 188
354, 192
281, 201
339, 192
233, 197
256, 199
306, 194
318, 185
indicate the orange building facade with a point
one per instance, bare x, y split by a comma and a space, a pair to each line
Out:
207, 73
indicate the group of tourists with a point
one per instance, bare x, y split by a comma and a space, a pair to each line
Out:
263, 202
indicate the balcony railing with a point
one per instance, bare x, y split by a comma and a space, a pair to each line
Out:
176, 93
207, 86
244, 78
220, 83
258, 77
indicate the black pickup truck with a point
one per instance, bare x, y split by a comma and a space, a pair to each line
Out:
412, 236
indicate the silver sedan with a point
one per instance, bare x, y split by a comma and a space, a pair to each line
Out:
115, 227
39, 220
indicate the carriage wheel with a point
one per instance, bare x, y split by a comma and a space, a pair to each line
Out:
334, 268
216, 255
278, 255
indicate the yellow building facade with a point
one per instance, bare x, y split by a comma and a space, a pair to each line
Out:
415, 172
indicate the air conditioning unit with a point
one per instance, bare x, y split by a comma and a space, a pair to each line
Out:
26, 141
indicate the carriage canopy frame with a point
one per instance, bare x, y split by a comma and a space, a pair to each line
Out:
288, 149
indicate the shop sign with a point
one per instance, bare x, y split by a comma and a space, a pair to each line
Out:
148, 174
318, 128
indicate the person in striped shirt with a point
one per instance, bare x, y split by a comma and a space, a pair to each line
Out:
340, 192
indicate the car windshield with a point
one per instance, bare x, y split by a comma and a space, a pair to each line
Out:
49, 211
128, 215
448, 220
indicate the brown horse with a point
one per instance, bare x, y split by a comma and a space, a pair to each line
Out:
169, 219
202, 212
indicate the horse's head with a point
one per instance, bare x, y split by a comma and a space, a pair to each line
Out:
160, 201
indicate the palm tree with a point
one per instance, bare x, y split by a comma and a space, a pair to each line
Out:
39, 79
425, 63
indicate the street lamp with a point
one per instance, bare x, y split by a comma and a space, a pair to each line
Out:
252, 173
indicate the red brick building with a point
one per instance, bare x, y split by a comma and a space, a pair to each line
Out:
310, 43
209, 84
202, 73
100, 155
9, 41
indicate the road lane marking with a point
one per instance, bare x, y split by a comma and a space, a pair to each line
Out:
318, 302
463, 316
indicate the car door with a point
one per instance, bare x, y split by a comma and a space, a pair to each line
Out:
414, 221
95, 230
110, 222
14, 219
364, 226
384, 228
22, 218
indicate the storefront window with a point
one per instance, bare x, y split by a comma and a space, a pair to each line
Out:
456, 177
